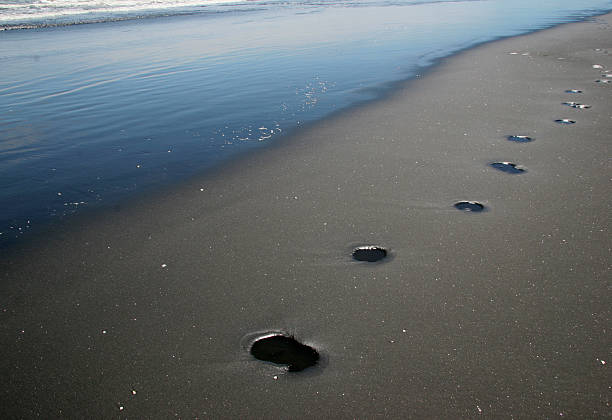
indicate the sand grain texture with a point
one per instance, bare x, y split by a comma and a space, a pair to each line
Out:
147, 312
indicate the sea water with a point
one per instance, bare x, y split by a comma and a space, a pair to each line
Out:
157, 91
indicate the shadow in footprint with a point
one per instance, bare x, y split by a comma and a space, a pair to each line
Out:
576, 105
565, 121
573, 91
285, 350
369, 253
469, 206
520, 139
508, 167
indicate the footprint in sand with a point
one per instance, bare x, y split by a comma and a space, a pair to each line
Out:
576, 105
470, 206
520, 139
369, 253
565, 121
284, 350
508, 167
573, 91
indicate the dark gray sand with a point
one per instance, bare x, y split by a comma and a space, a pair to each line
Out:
150, 311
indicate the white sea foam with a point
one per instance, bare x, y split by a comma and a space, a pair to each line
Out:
46, 12
40, 13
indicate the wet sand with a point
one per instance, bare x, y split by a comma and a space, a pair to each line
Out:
149, 311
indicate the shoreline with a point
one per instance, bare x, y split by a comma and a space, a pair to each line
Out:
39, 217
482, 313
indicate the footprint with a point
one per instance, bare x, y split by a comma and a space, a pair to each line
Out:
520, 139
576, 105
508, 167
565, 121
573, 91
469, 206
369, 253
606, 81
284, 350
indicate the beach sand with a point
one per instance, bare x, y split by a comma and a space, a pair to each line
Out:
149, 311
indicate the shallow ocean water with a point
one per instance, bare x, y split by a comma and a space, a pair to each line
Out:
92, 115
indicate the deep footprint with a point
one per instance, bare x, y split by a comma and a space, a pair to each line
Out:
369, 253
284, 350
573, 91
565, 121
508, 167
470, 206
520, 139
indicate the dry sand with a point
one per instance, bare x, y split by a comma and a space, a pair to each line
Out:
148, 312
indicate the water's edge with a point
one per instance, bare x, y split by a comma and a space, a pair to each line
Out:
63, 224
